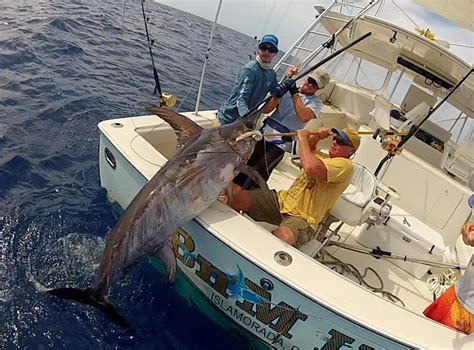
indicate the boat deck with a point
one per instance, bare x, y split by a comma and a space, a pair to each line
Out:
413, 292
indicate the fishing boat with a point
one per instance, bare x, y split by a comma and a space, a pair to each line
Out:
391, 241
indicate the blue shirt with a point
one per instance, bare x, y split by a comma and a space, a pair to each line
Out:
251, 86
285, 115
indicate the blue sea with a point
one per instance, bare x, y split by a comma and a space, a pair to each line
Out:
64, 67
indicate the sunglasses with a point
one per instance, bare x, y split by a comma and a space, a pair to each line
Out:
340, 141
312, 82
269, 48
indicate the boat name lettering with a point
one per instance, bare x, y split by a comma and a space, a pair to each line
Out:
284, 313
280, 317
339, 340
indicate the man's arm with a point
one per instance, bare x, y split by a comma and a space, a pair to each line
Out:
273, 102
313, 166
270, 105
305, 114
246, 85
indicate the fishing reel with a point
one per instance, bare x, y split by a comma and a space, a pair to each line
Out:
390, 144
389, 140
167, 100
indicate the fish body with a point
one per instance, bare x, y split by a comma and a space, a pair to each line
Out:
205, 163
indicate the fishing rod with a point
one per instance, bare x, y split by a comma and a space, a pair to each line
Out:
206, 58
260, 105
269, 134
165, 99
414, 130
379, 253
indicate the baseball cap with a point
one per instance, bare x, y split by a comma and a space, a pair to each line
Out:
269, 39
321, 77
349, 136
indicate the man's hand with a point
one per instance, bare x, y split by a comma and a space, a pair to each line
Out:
291, 71
312, 138
321, 133
283, 87
302, 134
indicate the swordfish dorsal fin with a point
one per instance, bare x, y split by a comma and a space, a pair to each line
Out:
182, 125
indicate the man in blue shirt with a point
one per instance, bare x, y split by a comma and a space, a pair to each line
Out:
292, 112
255, 80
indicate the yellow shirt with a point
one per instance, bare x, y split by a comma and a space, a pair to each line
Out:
309, 198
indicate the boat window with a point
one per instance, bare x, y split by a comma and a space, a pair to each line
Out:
358, 72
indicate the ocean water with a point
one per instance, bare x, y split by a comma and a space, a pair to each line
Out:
64, 67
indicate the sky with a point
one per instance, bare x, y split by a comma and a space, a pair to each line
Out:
287, 18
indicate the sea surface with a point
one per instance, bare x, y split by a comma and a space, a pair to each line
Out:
64, 67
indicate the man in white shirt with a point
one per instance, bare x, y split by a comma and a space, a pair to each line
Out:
292, 112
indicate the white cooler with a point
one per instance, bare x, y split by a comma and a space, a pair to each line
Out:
404, 234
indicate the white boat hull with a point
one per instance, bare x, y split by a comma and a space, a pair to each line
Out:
251, 297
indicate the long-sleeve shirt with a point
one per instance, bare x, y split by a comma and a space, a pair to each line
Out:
285, 115
251, 86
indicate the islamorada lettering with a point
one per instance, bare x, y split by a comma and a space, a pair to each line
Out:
242, 318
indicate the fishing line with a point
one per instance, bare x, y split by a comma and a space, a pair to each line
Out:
186, 96
123, 12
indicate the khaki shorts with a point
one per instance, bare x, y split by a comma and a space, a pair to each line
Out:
264, 207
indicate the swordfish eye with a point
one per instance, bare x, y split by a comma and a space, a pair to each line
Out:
227, 172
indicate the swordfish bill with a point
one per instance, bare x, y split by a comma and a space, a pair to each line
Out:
206, 161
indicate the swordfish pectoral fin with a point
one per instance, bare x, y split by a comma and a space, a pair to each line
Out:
254, 176
182, 125
90, 297
166, 255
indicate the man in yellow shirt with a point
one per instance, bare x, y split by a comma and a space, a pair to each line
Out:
321, 181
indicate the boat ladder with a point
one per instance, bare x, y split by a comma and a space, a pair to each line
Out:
308, 46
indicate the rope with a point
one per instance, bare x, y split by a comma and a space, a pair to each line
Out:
347, 268
401, 10
440, 282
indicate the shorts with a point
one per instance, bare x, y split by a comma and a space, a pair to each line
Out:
447, 310
266, 208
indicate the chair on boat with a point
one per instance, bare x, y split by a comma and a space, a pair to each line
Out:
352, 206
357, 205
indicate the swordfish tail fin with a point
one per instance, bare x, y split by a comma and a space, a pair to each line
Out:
89, 296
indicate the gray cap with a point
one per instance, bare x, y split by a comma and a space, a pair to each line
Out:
321, 77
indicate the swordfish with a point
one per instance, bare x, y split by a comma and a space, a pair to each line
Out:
206, 161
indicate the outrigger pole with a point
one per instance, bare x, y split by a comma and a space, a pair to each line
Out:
413, 131
208, 51
260, 105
